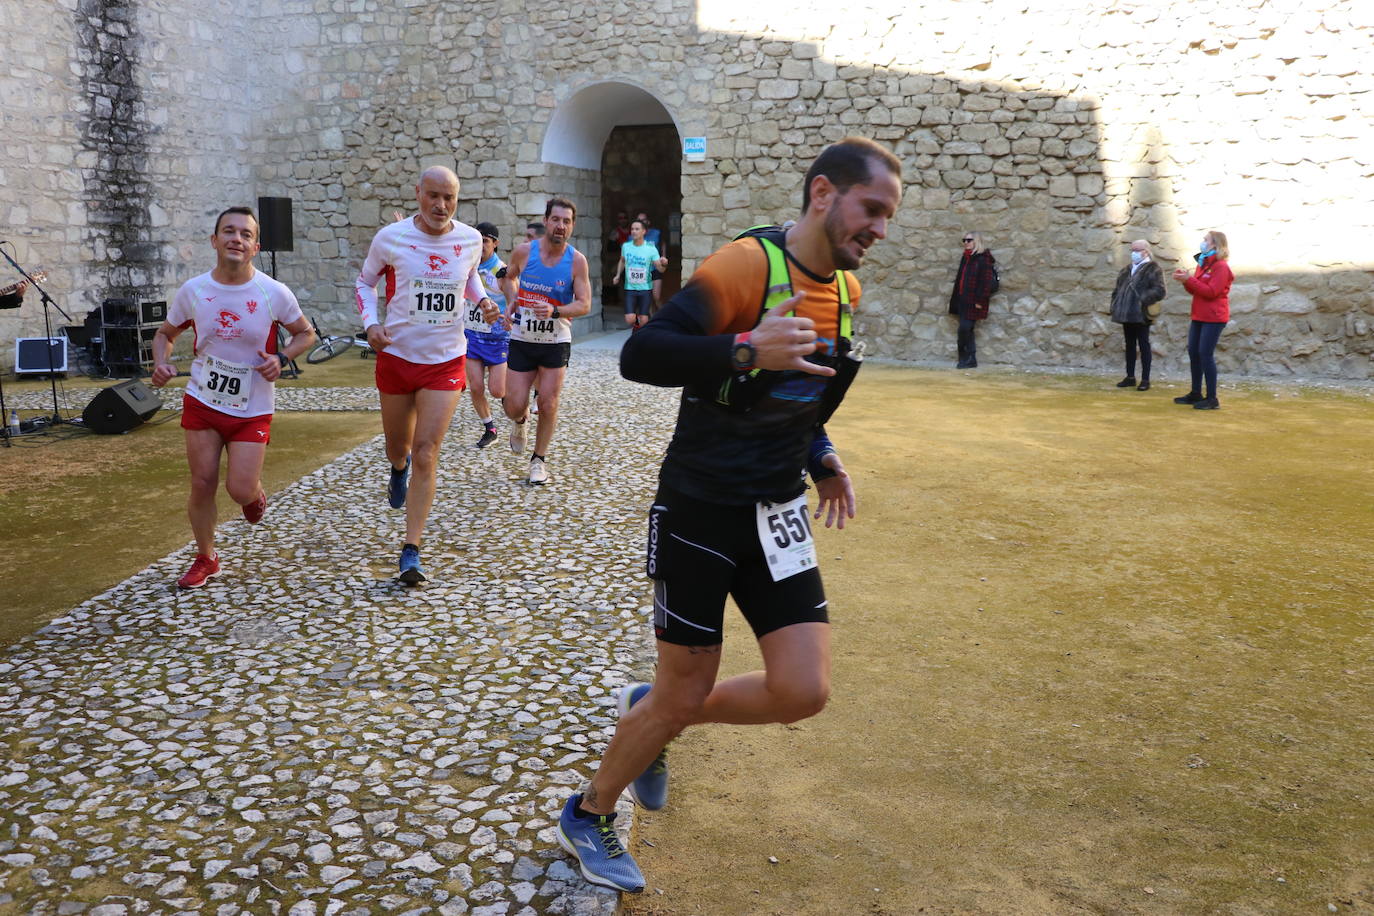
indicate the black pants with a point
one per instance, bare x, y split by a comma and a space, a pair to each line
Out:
1137, 336
968, 347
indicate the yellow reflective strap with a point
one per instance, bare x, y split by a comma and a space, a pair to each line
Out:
846, 310
779, 288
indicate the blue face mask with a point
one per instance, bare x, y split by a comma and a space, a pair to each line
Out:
1203, 254
1137, 257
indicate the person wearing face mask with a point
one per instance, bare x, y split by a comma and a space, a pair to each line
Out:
1135, 305
973, 288
1210, 285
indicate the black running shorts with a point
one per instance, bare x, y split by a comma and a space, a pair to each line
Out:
527, 357
638, 301
700, 552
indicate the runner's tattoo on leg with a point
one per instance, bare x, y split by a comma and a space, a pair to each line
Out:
589, 796
704, 650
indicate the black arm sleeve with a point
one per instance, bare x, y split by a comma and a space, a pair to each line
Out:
673, 349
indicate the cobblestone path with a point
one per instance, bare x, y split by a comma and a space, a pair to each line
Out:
288, 398
305, 736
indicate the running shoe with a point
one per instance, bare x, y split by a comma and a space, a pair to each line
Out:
1207, 404
410, 566
596, 845
398, 485
488, 437
650, 788
1191, 397
254, 510
517, 438
202, 570
538, 472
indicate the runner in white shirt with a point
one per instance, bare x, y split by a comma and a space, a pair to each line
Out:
547, 283
428, 264
233, 312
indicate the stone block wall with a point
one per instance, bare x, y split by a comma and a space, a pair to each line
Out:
126, 128
1061, 132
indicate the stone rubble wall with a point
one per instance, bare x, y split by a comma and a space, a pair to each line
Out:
125, 130
1059, 133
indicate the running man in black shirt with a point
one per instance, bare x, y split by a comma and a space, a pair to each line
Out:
730, 515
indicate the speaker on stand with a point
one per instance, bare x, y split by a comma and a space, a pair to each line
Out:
274, 221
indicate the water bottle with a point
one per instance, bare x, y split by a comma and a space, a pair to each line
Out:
14, 422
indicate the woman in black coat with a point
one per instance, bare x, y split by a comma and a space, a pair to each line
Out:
1135, 305
974, 285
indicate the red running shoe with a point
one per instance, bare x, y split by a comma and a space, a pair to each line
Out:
202, 570
254, 510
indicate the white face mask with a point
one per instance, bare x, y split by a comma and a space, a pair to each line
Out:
1137, 257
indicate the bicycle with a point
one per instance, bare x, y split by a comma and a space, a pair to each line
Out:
330, 345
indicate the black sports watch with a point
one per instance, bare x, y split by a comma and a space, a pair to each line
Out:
743, 354
555, 313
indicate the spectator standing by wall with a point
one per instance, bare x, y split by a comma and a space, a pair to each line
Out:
1210, 285
1135, 305
974, 284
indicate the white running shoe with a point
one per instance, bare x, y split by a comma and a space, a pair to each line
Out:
517, 438
538, 473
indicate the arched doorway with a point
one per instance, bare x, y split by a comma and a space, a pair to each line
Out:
626, 150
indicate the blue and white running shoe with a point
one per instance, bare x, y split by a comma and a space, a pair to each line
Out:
650, 788
410, 566
596, 845
398, 484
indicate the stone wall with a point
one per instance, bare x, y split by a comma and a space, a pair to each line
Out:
1059, 133
126, 128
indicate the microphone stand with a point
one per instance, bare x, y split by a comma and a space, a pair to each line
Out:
47, 328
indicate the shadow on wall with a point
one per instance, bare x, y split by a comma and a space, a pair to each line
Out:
115, 129
1027, 170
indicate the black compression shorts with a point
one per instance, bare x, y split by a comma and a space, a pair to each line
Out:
527, 357
700, 552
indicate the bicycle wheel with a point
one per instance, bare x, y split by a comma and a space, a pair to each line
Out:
328, 348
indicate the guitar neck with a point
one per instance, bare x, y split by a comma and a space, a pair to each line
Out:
38, 278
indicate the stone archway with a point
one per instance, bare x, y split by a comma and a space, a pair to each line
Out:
624, 148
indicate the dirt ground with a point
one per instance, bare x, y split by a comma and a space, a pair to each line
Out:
1094, 653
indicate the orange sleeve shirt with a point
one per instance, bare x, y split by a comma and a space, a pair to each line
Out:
731, 286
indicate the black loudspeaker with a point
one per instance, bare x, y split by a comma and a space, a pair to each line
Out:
119, 311
121, 407
274, 216
152, 312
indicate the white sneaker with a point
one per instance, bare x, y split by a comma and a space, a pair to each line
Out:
538, 473
517, 438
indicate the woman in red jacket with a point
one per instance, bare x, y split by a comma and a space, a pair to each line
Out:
1210, 285
973, 288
